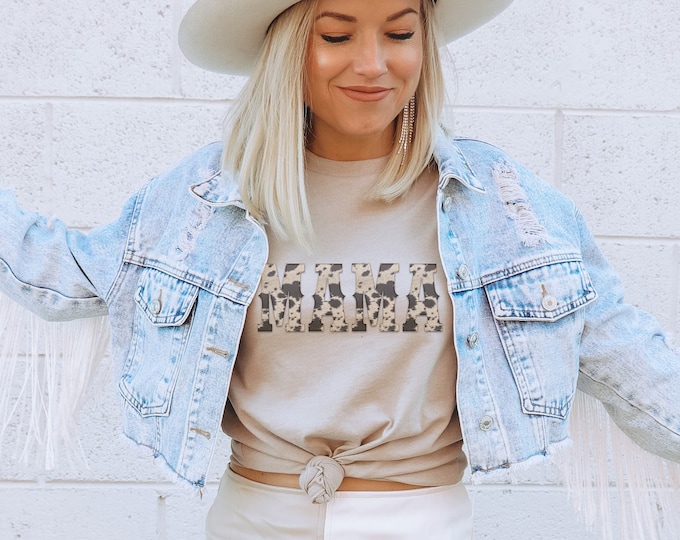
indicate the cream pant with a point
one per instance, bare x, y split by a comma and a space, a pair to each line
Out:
247, 510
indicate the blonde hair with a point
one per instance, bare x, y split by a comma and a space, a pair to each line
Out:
265, 134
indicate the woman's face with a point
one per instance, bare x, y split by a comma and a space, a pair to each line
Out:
364, 60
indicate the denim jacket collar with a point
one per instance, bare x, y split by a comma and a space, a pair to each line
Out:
453, 165
220, 190
216, 191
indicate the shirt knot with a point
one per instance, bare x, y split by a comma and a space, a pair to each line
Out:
321, 478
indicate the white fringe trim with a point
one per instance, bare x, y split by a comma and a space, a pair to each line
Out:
622, 491
45, 370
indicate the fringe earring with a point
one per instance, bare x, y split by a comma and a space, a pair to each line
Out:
408, 120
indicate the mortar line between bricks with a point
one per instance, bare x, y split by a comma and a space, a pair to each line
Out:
57, 485
177, 79
49, 155
639, 240
543, 110
675, 288
518, 488
566, 111
487, 488
7, 100
558, 150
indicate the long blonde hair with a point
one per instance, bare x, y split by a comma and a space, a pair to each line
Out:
265, 133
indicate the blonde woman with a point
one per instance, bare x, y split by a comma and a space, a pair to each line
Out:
345, 290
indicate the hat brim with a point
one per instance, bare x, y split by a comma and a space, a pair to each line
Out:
226, 36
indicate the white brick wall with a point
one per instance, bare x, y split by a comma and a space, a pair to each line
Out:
94, 99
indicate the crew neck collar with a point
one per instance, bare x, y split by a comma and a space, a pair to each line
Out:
330, 167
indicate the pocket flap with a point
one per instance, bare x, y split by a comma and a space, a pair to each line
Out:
546, 293
164, 299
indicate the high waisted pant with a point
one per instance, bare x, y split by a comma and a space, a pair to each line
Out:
247, 510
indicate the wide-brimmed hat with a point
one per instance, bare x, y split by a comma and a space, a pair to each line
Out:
226, 35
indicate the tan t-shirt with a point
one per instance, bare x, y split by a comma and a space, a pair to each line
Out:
348, 352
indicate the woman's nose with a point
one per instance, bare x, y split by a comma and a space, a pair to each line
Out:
370, 60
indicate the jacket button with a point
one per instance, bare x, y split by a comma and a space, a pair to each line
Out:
486, 423
447, 204
155, 307
472, 340
463, 272
549, 302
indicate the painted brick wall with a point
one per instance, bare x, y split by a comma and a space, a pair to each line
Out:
95, 99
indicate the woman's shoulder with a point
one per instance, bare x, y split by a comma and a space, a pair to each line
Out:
197, 176
484, 158
166, 198
490, 167
199, 165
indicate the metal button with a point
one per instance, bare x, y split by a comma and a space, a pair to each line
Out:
463, 272
447, 204
486, 423
156, 307
549, 302
472, 340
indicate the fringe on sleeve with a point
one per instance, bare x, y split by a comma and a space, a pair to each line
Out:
45, 370
622, 491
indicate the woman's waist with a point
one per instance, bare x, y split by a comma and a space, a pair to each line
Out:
347, 484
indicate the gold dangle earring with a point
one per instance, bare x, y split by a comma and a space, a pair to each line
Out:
408, 120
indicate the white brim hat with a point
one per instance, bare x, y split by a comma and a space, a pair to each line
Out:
226, 35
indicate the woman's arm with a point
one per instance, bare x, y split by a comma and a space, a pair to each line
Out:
627, 363
59, 273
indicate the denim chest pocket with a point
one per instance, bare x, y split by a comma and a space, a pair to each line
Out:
164, 306
539, 317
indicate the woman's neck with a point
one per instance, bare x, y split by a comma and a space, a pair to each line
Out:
351, 148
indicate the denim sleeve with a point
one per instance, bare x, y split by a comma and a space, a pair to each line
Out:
58, 273
626, 361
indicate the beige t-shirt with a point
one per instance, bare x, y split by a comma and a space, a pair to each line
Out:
348, 352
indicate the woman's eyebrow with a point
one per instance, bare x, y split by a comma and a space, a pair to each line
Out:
401, 14
338, 16
350, 19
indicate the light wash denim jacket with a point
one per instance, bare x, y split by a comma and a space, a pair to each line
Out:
537, 309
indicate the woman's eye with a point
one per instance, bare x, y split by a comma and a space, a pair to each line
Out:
401, 36
334, 39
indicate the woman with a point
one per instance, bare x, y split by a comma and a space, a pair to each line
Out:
332, 168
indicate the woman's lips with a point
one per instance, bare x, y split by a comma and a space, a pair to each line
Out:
365, 93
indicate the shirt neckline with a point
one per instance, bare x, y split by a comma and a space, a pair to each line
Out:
330, 167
